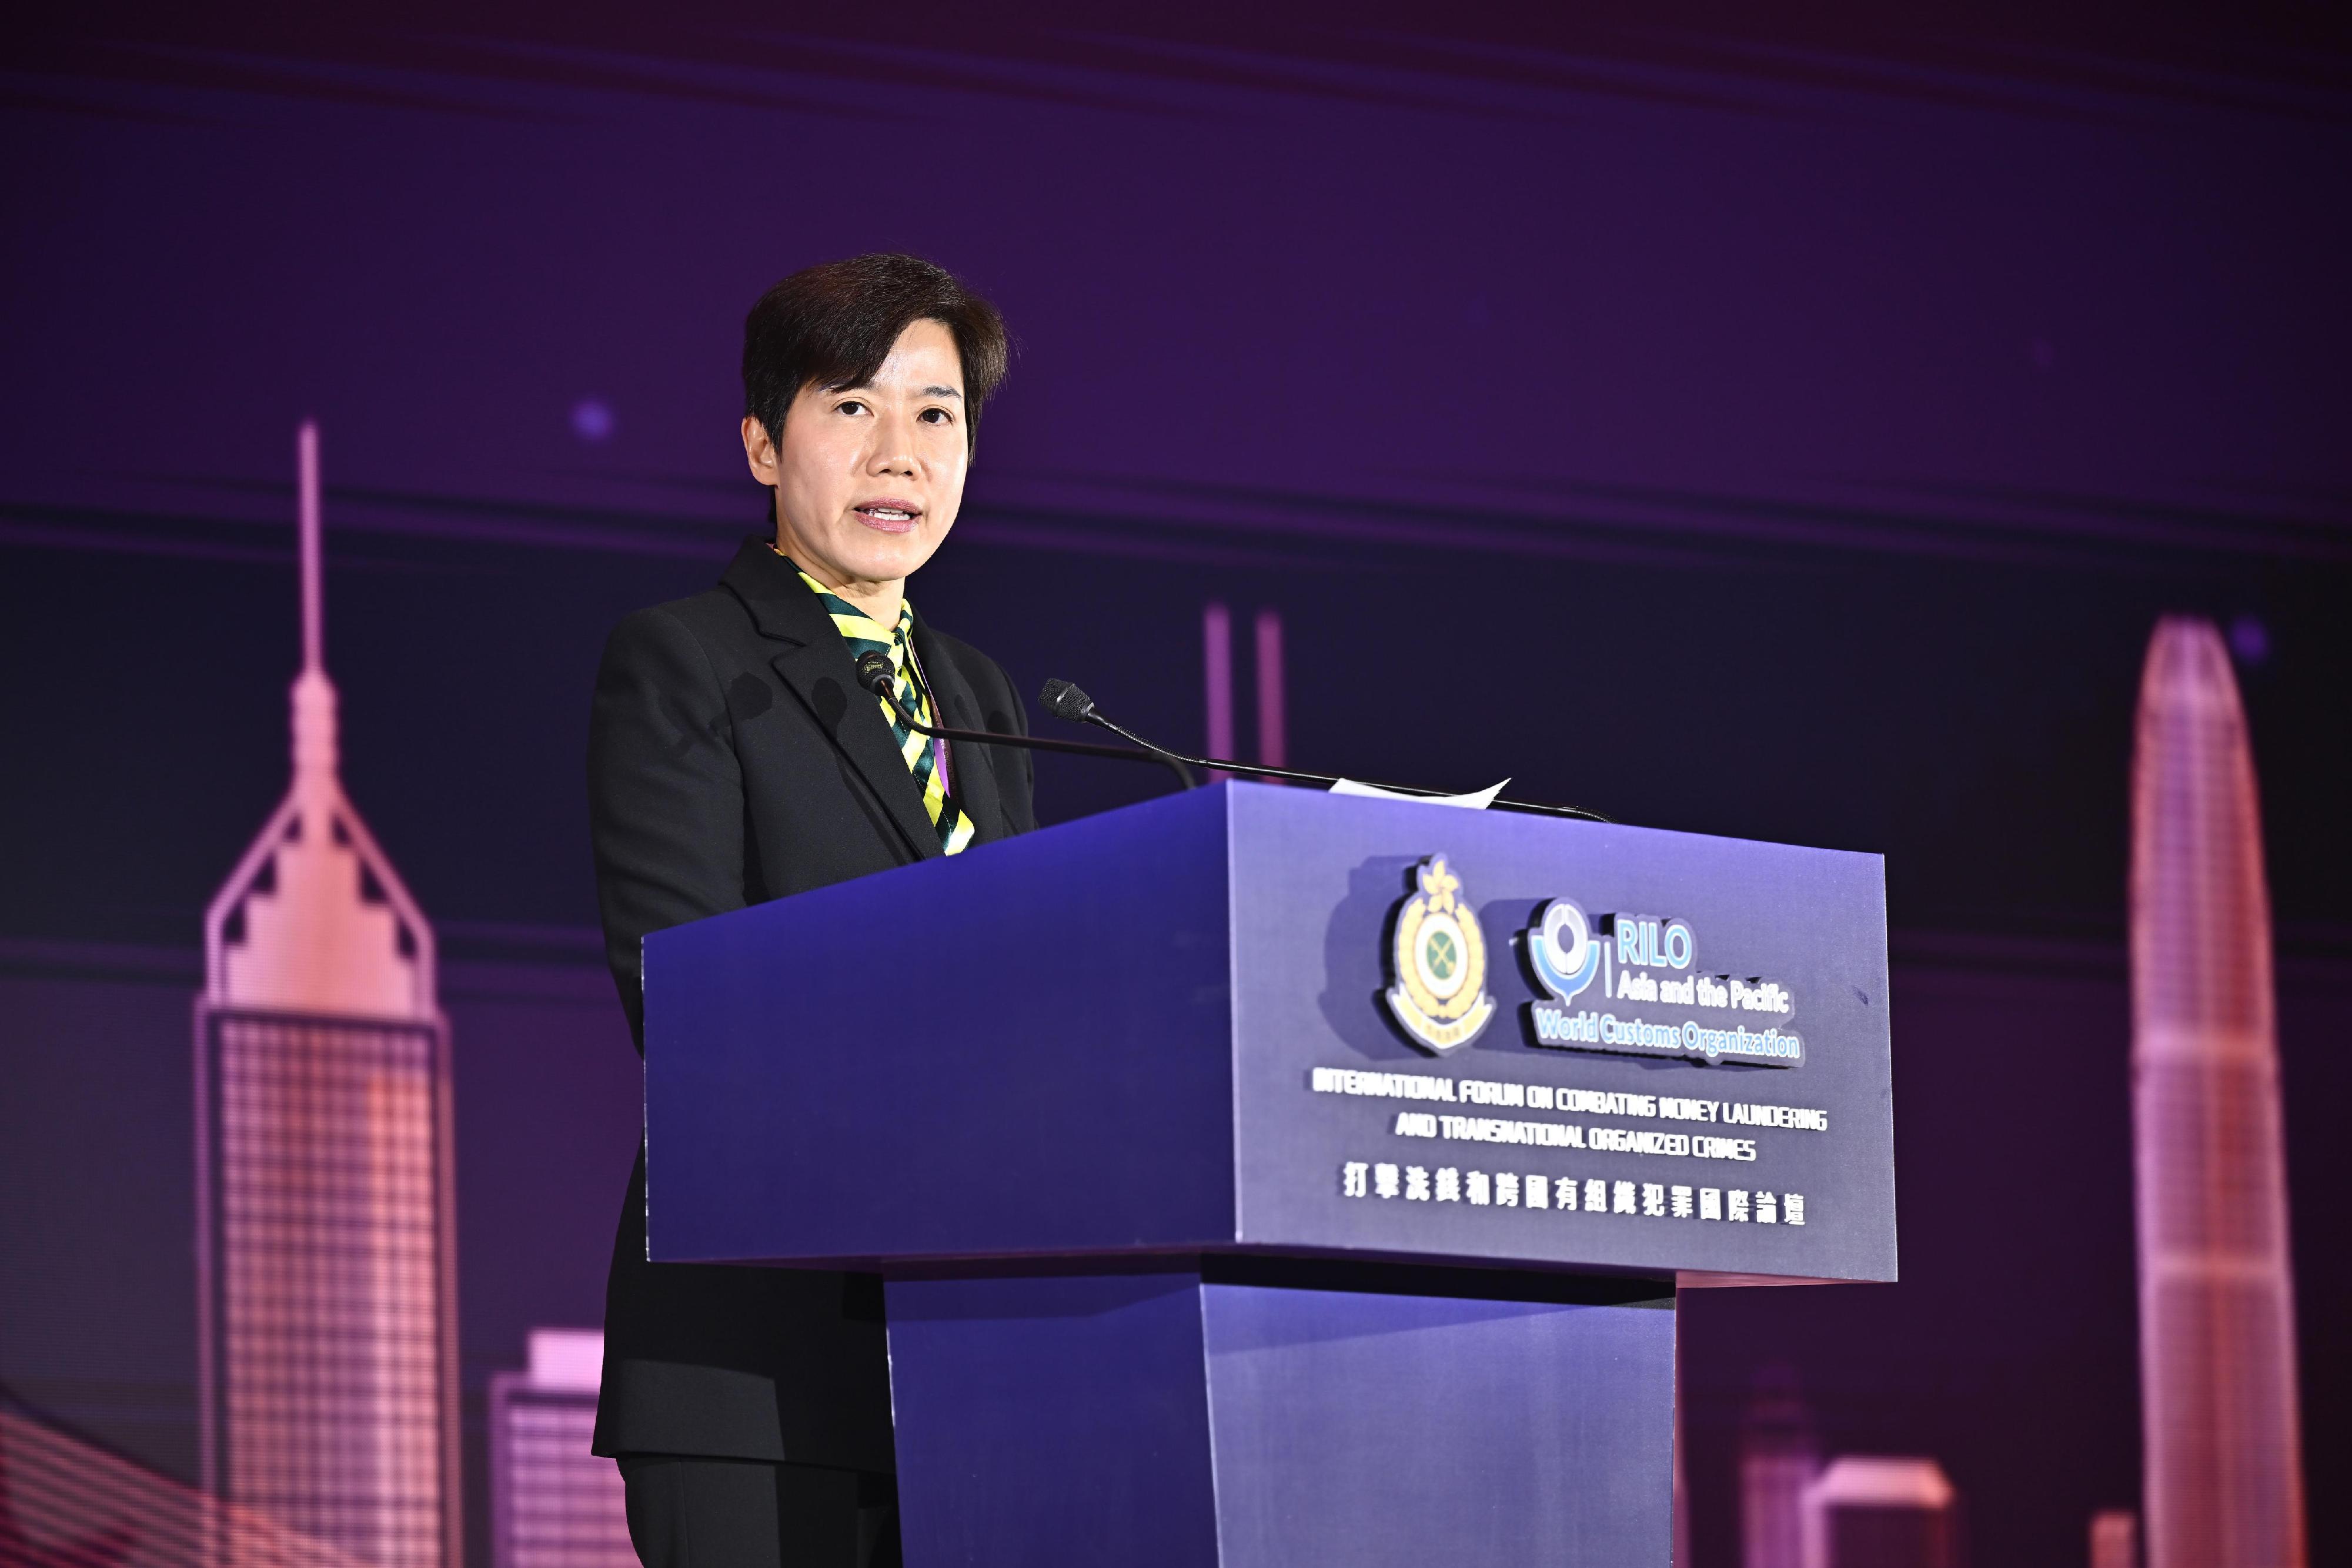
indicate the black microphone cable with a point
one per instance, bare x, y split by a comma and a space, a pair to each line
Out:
1064, 700
875, 674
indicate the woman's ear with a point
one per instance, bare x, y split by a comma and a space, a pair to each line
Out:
759, 451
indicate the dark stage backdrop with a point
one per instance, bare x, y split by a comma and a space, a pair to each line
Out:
1787, 437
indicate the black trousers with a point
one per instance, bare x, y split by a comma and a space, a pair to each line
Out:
687, 1511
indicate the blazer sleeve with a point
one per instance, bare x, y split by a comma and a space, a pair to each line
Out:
664, 794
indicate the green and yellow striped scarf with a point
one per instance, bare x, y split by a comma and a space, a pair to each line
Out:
922, 755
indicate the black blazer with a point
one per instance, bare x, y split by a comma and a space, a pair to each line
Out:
733, 758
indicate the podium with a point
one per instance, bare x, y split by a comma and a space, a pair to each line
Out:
1267, 1178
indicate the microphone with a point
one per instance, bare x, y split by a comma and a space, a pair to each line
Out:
877, 675
1064, 700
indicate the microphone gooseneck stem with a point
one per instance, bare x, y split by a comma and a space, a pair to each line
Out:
1291, 775
1036, 742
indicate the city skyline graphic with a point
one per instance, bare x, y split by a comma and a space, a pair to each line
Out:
328, 1362
553, 1504
1779, 1455
326, 1223
2223, 1479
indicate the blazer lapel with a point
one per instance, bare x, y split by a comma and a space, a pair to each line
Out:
819, 672
973, 774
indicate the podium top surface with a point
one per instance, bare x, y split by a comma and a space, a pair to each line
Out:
1260, 1020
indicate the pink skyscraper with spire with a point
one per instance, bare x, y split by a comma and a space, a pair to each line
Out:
2224, 1471
326, 1235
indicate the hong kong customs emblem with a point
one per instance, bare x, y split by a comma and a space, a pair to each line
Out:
1438, 959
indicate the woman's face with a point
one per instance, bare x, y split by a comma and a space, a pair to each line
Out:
869, 478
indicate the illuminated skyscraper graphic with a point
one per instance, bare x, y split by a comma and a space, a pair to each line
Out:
326, 1237
2114, 1538
2223, 1477
553, 1504
1866, 1511
1778, 1458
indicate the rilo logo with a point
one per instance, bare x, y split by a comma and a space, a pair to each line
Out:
1439, 960
1560, 948
1647, 966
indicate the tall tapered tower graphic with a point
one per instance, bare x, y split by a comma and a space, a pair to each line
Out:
1778, 1458
2223, 1471
326, 1237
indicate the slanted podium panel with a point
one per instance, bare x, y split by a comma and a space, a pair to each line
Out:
1081, 1094
1224, 1420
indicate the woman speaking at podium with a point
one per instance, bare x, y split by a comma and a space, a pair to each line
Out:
734, 756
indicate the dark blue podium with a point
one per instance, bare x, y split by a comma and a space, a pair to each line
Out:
1263, 1177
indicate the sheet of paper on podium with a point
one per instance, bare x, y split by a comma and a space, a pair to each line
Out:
1477, 801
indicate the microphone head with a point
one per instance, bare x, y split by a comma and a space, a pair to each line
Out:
875, 674
1064, 700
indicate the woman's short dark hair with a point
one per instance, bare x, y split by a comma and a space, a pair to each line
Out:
833, 326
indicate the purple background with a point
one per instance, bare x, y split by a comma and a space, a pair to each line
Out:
1601, 403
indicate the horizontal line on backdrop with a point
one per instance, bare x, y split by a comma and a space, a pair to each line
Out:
1222, 524
468, 972
567, 963
503, 63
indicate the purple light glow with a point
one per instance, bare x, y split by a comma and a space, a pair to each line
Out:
2250, 640
591, 418
1272, 743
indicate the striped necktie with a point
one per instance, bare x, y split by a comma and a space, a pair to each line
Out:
925, 757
